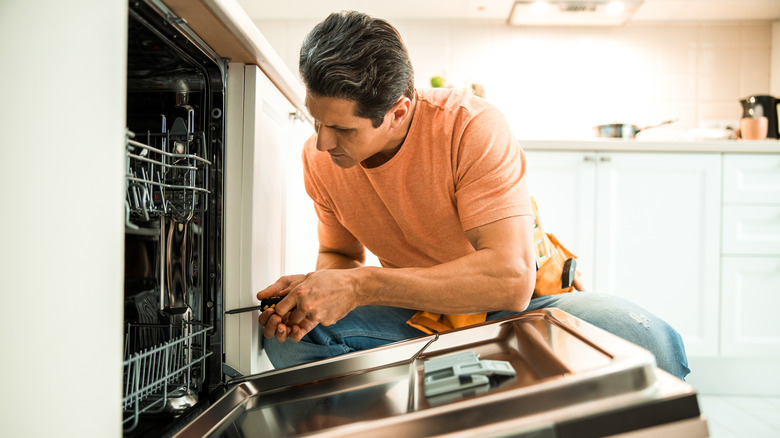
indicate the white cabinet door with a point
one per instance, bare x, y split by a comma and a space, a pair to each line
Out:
563, 184
751, 229
751, 178
258, 124
749, 325
658, 238
301, 244
751, 246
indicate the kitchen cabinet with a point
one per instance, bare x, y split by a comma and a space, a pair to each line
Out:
264, 210
700, 230
750, 303
301, 244
646, 227
750, 256
564, 187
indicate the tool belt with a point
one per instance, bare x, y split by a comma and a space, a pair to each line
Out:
555, 270
555, 265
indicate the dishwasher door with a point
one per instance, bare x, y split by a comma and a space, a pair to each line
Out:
570, 379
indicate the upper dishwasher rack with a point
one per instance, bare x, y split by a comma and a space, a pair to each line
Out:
165, 174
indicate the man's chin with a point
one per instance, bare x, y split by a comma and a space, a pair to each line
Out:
342, 161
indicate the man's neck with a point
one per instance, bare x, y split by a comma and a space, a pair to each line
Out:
386, 155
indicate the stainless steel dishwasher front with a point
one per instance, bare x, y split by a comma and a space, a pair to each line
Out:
572, 379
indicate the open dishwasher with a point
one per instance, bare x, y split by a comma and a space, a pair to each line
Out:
567, 379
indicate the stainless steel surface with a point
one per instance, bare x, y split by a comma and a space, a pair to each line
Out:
623, 130
562, 365
178, 258
181, 399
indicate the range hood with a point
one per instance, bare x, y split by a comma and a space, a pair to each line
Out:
572, 12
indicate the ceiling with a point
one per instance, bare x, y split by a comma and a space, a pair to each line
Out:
493, 10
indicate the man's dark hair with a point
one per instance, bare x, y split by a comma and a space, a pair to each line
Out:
356, 57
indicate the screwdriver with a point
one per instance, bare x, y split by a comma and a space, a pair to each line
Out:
267, 303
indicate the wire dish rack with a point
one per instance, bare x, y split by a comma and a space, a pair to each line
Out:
162, 377
166, 173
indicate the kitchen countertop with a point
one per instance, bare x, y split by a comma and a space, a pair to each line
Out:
631, 145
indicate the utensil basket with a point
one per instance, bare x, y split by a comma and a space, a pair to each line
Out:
171, 367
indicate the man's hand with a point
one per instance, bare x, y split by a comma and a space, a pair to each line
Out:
321, 297
274, 325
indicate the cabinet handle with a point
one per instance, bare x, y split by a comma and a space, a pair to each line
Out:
295, 115
605, 159
588, 158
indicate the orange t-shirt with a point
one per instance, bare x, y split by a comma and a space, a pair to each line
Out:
459, 168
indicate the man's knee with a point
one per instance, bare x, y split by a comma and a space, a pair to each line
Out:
289, 353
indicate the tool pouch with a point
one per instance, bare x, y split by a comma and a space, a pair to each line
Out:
556, 275
555, 265
431, 323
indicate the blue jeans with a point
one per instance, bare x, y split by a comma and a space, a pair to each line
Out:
372, 326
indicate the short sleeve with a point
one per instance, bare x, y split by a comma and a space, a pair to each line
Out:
489, 171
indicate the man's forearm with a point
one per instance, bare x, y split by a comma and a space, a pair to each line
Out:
336, 261
470, 284
499, 275
347, 258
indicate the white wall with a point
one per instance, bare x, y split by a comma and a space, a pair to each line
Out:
560, 82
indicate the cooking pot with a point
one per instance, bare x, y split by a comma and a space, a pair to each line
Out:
623, 130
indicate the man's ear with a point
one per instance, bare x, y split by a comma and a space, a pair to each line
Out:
400, 111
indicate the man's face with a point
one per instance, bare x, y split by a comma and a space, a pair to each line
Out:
348, 139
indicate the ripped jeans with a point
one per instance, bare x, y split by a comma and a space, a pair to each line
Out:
372, 326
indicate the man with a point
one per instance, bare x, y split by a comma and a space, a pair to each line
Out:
431, 181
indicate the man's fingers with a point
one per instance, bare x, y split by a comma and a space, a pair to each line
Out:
286, 305
296, 316
281, 332
281, 287
301, 330
296, 335
269, 329
273, 290
264, 317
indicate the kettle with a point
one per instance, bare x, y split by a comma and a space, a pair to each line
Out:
762, 106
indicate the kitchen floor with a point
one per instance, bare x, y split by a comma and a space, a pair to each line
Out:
732, 416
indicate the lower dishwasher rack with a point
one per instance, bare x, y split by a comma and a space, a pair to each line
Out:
163, 367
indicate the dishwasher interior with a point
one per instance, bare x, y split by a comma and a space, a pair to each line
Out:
173, 226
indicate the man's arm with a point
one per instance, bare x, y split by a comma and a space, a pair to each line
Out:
353, 256
499, 275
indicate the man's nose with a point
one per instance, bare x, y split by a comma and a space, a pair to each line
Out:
325, 139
